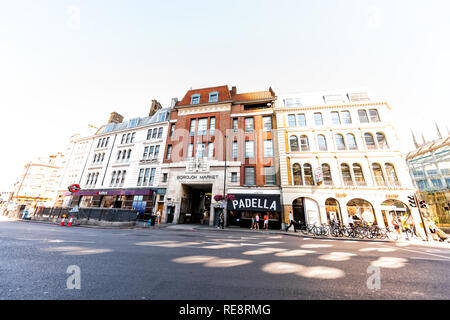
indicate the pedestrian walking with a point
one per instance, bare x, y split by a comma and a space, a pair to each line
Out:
257, 221
221, 221
158, 214
396, 225
266, 221
253, 222
291, 222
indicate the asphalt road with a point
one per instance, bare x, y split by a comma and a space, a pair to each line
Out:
174, 263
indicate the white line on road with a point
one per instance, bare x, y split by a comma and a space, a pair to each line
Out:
420, 252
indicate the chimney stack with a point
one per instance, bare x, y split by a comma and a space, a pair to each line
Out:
173, 103
115, 118
233, 90
155, 107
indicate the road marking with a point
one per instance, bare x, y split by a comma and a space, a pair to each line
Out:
421, 252
426, 258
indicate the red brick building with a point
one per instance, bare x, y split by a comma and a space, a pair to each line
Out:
197, 171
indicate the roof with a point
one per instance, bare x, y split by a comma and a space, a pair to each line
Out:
429, 147
252, 96
161, 115
224, 95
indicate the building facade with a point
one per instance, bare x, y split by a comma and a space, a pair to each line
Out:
429, 168
340, 157
221, 144
122, 165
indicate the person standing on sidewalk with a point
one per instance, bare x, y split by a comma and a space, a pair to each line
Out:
158, 214
266, 221
221, 221
257, 221
253, 222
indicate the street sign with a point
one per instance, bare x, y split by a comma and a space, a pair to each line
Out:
318, 175
74, 188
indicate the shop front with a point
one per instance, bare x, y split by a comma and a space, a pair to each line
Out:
141, 200
243, 207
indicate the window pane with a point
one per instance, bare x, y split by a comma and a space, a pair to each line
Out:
155, 133
156, 152
235, 149
291, 120
351, 142
250, 175
293, 140
202, 125
297, 174
378, 173
192, 127
363, 116
249, 124
212, 126
346, 118
160, 132
210, 150
189, 150
318, 119
249, 149
268, 148
234, 177
304, 143
301, 120
200, 150
308, 174
269, 175
382, 143
326, 174
149, 135
169, 152
358, 174
235, 125
322, 142
370, 143
340, 143
335, 119
374, 117
267, 123
392, 176
346, 175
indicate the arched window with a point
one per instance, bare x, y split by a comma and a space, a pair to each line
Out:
304, 143
361, 211
363, 116
346, 118
370, 143
123, 176
340, 143
297, 174
392, 176
378, 173
128, 138
358, 174
346, 175
374, 117
335, 119
326, 174
351, 142
293, 140
308, 174
381, 139
333, 210
322, 142
118, 176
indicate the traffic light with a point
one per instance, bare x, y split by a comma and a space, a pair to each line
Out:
423, 204
412, 202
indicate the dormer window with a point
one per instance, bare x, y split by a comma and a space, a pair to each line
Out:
195, 99
213, 96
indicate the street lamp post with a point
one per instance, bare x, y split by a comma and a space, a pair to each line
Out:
224, 182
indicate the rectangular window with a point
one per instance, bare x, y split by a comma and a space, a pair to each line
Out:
269, 175
155, 156
249, 125
160, 132
121, 141
192, 127
291, 120
141, 177
318, 121
346, 118
235, 124
210, 150
152, 176
212, 126
200, 150
249, 176
133, 135
172, 130
234, 177
150, 154
202, 125
149, 134
169, 152
213, 97
267, 123
155, 133
301, 120
146, 176
268, 148
164, 177
195, 99
235, 149
249, 149
189, 150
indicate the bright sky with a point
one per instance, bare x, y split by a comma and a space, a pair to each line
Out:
65, 64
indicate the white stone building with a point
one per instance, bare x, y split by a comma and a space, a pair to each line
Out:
340, 156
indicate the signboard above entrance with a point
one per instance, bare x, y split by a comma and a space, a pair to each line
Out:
253, 202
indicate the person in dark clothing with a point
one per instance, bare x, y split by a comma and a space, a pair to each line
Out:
292, 223
221, 221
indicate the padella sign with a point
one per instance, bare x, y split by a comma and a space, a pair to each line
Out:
249, 202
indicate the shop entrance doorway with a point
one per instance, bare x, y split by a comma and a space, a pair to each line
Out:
195, 203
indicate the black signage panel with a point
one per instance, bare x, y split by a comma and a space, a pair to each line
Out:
255, 202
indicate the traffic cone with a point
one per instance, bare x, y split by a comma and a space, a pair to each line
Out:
62, 221
70, 222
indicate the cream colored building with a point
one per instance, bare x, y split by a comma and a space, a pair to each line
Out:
340, 156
